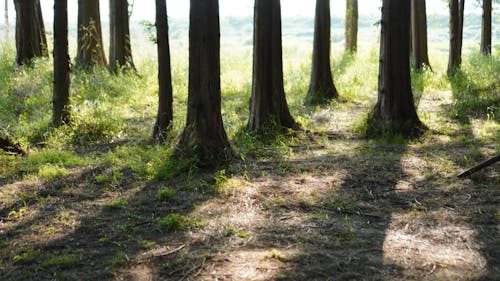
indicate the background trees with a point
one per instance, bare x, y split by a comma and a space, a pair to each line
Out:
31, 41
395, 108
60, 113
351, 26
90, 50
120, 50
420, 57
204, 136
165, 112
456, 33
486, 28
321, 87
268, 102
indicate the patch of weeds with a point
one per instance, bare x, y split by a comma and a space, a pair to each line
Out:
146, 243
60, 261
28, 256
165, 193
230, 230
171, 222
117, 203
52, 172
419, 209
220, 178
242, 234
17, 214
277, 254
120, 259
172, 168
347, 234
103, 240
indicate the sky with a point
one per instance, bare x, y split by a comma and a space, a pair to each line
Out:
145, 9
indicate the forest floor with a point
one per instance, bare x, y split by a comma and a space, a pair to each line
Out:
326, 205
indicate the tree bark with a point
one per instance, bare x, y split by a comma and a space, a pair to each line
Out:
486, 28
420, 57
120, 51
31, 41
90, 51
6, 15
395, 108
351, 26
165, 111
321, 87
204, 136
60, 113
268, 101
456, 33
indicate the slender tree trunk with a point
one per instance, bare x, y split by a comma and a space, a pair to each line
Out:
351, 26
420, 57
268, 102
165, 111
321, 88
60, 113
90, 51
486, 28
6, 14
204, 136
120, 51
395, 108
31, 41
456, 27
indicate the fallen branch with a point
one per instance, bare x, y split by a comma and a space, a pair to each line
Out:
10, 147
479, 167
160, 254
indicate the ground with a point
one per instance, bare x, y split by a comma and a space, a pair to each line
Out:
315, 205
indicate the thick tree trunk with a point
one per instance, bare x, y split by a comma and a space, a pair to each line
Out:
268, 102
90, 51
486, 28
351, 26
120, 51
420, 57
204, 136
60, 113
395, 108
165, 111
31, 41
456, 28
321, 87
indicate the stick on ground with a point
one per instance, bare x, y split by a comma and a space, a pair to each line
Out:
479, 167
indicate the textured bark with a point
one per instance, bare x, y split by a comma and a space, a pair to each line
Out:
90, 51
204, 136
31, 40
120, 50
60, 113
165, 111
268, 102
351, 26
321, 87
486, 28
420, 57
456, 32
395, 108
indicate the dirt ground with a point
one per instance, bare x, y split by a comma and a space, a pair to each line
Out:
333, 207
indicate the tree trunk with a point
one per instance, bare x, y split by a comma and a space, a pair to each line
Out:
351, 26
7, 24
268, 102
420, 57
31, 41
395, 108
321, 88
165, 111
60, 113
120, 51
456, 28
204, 136
90, 51
486, 28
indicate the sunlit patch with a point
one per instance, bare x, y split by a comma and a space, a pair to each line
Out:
433, 246
485, 129
141, 272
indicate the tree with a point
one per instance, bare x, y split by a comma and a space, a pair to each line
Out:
268, 102
31, 41
395, 108
60, 112
351, 26
419, 48
204, 136
165, 111
6, 15
321, 87
456, 34
486, 28
90, 51
120, 51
